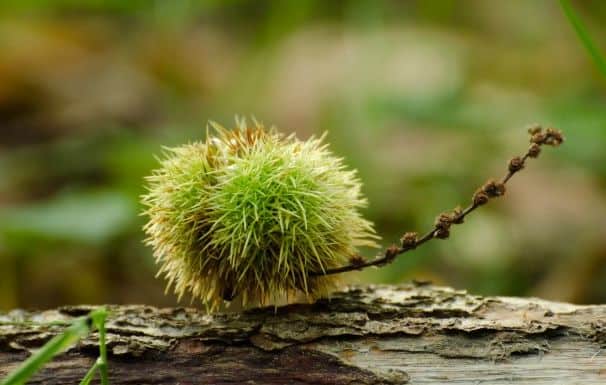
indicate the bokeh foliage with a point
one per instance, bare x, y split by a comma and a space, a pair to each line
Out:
426, 98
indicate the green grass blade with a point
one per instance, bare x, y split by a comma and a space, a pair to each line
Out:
582, 33
98, 316
53, 347
90, 374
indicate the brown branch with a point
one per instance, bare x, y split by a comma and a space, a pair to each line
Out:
441, 229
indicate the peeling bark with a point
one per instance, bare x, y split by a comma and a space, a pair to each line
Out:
417, 334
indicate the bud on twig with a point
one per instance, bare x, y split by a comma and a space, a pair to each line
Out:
516, 164
409, 240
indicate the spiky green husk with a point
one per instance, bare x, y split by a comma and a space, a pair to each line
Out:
251, 213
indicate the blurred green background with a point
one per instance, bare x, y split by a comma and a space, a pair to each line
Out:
426, 98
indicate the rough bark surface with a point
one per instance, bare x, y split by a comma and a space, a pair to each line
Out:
416, 334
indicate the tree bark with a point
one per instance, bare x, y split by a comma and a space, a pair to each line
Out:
417, 334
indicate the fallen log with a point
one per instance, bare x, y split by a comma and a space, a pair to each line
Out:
416, 334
